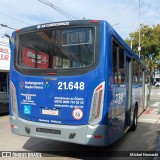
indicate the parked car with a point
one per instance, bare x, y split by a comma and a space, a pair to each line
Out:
157, 84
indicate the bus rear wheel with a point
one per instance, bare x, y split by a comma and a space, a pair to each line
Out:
135, 120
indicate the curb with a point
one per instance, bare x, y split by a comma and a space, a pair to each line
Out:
158, 144
158, 149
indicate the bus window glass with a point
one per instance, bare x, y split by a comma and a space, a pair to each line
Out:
57, 49
147, 77
34, 60
140, 73
121, 66
118, 63
135, 72
115, 68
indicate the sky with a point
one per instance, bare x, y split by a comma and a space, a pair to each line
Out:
123, 15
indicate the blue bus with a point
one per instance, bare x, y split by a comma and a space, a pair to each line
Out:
75, 81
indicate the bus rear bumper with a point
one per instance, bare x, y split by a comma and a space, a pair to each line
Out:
82, 134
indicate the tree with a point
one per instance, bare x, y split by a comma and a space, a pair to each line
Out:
150, 43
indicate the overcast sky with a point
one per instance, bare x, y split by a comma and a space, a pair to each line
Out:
122, 14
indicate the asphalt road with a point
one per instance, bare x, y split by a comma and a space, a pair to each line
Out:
145, 138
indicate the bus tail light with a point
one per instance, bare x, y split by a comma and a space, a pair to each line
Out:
98, 136
94, 21
13, 97
97, 104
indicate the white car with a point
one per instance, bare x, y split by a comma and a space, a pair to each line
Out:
157, 84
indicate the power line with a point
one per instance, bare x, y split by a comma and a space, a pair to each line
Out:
59, 10
68, 15
5, 26
15, 18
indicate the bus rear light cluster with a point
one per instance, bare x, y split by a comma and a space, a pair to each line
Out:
94, 21
13, 97
98, 136
12, 126
97, 104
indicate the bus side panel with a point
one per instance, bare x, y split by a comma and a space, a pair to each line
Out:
116, 96
117, 108
137, 98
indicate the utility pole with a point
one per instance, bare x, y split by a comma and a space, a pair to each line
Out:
139, 47
131, 42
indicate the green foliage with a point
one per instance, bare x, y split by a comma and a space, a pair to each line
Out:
150, 43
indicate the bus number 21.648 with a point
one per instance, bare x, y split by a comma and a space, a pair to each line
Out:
71, 85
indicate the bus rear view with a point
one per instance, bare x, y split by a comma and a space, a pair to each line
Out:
55, 81
62, 83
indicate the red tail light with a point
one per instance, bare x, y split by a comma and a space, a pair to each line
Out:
51, 73
97, 136
12, 126
94, 21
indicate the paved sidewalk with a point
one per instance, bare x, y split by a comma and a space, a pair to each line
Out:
152, 115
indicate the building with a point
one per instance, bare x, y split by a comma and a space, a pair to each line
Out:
4, 74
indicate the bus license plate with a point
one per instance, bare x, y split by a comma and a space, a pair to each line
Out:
50, 112
46, 130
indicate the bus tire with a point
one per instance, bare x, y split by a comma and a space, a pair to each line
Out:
135, 120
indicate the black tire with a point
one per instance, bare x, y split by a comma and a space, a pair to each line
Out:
135, 120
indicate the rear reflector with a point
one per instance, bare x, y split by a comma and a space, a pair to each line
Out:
97, 104
97, 136
51, 73
13, 97
94, 21
18, 30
